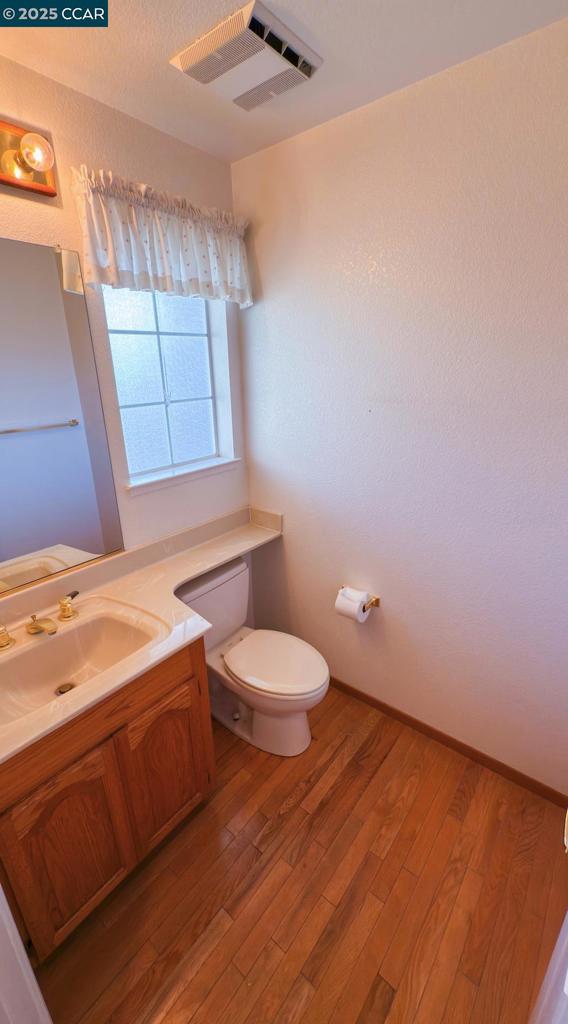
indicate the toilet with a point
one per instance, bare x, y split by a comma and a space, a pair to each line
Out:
262, 682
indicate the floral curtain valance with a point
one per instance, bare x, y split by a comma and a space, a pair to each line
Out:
135, 237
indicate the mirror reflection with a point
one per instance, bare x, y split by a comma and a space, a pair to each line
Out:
58, 506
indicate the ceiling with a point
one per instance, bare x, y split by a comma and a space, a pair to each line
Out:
370, 48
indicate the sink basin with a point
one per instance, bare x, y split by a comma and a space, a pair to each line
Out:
28, 570
43, 669
37, 564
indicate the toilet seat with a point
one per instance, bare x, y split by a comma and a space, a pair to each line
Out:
277, 663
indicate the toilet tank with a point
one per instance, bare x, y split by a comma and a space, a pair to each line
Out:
221, 597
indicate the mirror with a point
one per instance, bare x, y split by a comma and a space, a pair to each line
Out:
58, 506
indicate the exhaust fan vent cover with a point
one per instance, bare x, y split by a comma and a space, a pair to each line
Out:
250, 57
220, 50
266, 90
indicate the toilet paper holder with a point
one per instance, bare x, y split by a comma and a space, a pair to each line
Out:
373, 602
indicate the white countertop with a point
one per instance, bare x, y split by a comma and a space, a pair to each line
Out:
150, 589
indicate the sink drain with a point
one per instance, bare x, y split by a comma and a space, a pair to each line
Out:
64, 688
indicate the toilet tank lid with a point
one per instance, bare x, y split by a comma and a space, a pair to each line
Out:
192, 589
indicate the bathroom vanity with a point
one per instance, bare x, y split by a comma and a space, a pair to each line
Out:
105, 727
84, 804
105, 718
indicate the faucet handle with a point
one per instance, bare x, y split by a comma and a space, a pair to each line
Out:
66, 609
5, 639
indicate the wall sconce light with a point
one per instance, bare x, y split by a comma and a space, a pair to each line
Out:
26, 160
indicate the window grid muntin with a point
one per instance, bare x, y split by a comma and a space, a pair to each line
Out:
158, 334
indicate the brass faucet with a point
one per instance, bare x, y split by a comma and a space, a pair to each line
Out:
6, 640
36, 625
66, 609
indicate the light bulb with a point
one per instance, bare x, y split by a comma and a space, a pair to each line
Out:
36, 152
9, 165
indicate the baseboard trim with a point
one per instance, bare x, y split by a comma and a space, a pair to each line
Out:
462, 748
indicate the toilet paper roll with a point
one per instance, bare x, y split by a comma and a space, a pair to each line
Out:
350, 602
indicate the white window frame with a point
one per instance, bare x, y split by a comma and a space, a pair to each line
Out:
225, 456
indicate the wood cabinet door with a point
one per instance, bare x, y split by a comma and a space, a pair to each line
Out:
67, 845
163, 760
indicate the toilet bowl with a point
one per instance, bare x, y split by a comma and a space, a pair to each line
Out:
262, 682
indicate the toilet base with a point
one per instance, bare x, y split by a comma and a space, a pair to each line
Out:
285, 735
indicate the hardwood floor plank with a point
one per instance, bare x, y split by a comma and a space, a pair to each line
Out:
425, 839
384, 774
223, 740
353, 782
134, 913
522, 976
326, 821
396, 959
345, 913
212, 1010
205, 899
348, 867
465, 792
291, 964
489, 1001
170, 972
128, 978
481, 802
379, 876
277, 850
412, 824
377, 1005
253, 985
294, 1006
305, 773
557, 902
501, 803
191, 991
422, 957
399, 795
485, 916
445, 967
86, 957
460, 1001
365, 970
333, 698
516, 1004
340, 964
317, 792
287, 799
298, 912
298, 878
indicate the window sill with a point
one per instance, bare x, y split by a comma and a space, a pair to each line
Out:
172, 477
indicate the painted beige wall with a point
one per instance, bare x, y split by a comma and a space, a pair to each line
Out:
406, 393
85, 131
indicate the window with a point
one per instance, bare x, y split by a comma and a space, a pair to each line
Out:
164, 372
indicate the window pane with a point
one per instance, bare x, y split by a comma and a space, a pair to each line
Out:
137, 371
186, 363
192, 431
128, 311
179, 314
146, 437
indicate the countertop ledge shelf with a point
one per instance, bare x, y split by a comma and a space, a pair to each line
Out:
151, 589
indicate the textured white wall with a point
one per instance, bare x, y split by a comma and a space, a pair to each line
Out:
84, 131
406, 394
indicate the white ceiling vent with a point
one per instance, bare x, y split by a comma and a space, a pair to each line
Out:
249, 58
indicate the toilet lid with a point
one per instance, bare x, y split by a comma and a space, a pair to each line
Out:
277, 663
